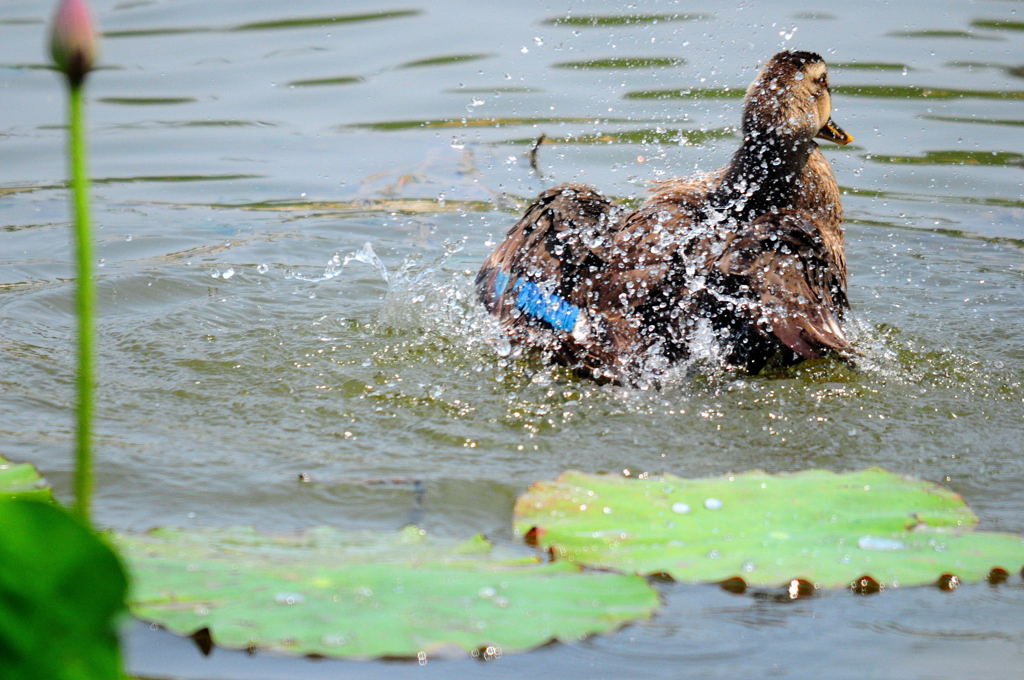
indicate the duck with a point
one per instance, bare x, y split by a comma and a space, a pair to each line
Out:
746, 263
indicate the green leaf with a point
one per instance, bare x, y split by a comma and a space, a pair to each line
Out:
827, 528
61, 592
368, 595
22, 481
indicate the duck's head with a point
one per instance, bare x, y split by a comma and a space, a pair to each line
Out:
790, 98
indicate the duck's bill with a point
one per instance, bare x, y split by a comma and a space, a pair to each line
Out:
834, 133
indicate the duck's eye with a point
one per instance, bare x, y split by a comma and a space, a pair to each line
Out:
823, 80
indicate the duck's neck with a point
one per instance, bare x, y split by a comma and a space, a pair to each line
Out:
764, 175
818, 196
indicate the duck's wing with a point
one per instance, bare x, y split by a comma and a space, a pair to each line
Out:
540, 280
787, 282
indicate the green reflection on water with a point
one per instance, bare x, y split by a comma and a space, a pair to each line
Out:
148, 32
314, 82
172, 178
645, 136
998, 158
51, 67
815, 16
869, 66
403, 206
129, 180
297, 22
689, 93
146, 101
942, 34
924, 92
303, 22
1015, 71
142, 125
622, 63
984, 121
931, 198
444, 60
999, 24
621, 19
886, 91
389, 126
498, 89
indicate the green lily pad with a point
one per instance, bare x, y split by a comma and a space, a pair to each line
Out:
21, 480
61, 595
826, 528
337, 594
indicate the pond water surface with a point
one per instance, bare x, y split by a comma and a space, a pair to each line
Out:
291, 200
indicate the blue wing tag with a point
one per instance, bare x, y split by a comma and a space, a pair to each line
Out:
533, 301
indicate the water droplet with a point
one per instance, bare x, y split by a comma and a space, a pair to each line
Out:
712, 504
289, 598
681, 508
228, 273
606, 510
487, 592
334, 639
798, 588
866, 585
262, 268
876, 543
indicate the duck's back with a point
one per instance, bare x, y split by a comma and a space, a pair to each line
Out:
620, 294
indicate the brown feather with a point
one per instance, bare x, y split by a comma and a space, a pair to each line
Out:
753, 251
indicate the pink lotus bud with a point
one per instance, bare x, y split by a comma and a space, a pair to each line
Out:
73, 40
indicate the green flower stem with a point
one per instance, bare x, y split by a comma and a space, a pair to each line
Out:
85, 302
